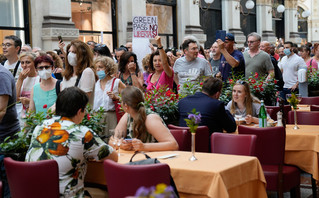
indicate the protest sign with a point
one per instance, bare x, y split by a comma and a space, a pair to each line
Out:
145, 26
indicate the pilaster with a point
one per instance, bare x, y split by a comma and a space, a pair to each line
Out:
291, 22
264, 20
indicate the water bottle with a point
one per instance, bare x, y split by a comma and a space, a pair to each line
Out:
262, 115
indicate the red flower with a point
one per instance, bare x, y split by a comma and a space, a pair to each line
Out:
260, 85
231, 81
88, 116
201, 84
256, 75
152, 107
275, 81
45, 106
255, 87
261, 89
253, 81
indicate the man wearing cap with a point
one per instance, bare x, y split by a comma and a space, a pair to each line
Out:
232, 61
257, 61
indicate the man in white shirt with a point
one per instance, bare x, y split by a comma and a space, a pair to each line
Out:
289, 66
11, 47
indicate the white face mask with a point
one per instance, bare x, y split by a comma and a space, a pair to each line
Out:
72, 59
211, 54
45, 73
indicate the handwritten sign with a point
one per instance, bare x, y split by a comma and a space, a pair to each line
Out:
145, 26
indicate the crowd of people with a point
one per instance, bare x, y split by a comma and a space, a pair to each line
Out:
64, 81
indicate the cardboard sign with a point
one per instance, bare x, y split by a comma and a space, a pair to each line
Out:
145, 26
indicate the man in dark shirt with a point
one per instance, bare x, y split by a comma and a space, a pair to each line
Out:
232, 61
213, 112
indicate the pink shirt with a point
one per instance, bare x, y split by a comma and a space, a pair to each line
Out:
162, 81
314, 64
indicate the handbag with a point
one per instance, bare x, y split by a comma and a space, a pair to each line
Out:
119, 112
150, 160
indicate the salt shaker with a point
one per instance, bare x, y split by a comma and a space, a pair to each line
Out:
279, 118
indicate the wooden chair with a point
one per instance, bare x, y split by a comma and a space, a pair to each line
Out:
273, 114
233, 144
310, 100
201, 138
310, 118
182, 138
124, 180
270, 150
32, 179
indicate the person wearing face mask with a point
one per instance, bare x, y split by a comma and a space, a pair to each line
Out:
79, 70
107, 89
44, 94
289, 66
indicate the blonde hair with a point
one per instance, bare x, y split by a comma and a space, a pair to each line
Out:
133, 97
249, 99
110, 65
28, 54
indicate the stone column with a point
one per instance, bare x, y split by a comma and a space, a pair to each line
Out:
264, 20
51, 18
231, 20
188, 18
291, 22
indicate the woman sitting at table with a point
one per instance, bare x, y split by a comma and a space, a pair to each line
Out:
145, 127
244, 103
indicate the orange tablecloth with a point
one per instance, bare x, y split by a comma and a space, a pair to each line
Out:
212, 175
303, 107
302, 148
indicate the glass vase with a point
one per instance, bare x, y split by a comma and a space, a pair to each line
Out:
295, 118
193, 158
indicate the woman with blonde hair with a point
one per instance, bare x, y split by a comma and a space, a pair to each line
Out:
79, 69
58, 64
147, 129
107, 89
243, 103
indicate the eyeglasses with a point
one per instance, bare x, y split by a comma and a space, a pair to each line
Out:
251, 42
6, 44
100, 45
45, 66
242, 82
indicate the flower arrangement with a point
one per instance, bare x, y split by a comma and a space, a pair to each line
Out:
293, 99
193, 120
313, 79
160, 191
19, 143
164, 102
191, 87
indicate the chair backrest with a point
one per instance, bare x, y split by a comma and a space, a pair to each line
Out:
314, 107
273, 114
233, 144
310, 100
32, 179
270, 143
303, 117
182, 137
201, 138
1, 189
124, 180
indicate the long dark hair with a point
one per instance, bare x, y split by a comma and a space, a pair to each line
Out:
133, 97
124, 60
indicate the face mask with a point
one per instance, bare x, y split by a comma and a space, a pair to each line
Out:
72, 59
287, 52
101, 74
45, 74
211, 54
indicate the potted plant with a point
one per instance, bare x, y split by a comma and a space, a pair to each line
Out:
313, 82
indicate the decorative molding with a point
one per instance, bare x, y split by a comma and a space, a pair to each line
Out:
53, 33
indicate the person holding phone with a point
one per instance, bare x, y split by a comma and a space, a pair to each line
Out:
147, 129
232, 61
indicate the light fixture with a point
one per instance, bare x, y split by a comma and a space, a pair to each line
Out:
250, 4
203, 7
280, 9
306, 14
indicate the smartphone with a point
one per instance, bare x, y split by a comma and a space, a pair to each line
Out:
60, 38
220, 34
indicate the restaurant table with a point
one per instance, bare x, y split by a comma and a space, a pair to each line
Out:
212, 175
303, 107
302, 148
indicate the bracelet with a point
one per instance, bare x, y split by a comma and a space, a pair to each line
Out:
160, 47
133, 74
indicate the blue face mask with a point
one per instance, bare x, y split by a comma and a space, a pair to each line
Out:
101, 74
287, 52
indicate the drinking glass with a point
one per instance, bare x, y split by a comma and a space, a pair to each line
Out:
238, 117
120, 137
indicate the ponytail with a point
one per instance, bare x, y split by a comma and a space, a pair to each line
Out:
139, 128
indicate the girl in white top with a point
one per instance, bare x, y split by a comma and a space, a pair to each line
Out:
104, 97
78, 68
27, 79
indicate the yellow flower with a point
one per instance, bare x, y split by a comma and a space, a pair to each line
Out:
160, 188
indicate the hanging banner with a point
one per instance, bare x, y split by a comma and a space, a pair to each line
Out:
145, 26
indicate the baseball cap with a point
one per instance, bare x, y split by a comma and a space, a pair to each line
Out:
230, 37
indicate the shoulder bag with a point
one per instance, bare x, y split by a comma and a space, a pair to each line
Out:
119, 112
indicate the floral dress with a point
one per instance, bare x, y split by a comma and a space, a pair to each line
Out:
71, 146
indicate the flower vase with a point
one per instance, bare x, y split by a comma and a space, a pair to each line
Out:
295, 118
193, 158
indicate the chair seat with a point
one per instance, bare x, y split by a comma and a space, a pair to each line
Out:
291, 177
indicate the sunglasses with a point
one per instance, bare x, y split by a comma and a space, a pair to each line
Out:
44, 67
242, 82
